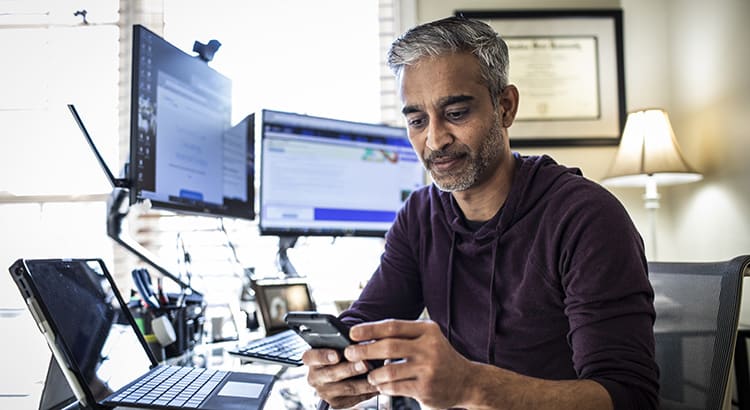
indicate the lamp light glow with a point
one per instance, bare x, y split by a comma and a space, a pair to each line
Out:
649, 156
649, 148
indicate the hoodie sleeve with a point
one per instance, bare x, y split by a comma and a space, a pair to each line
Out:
608, 299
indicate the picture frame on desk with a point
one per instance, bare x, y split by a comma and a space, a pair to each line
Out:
568, 67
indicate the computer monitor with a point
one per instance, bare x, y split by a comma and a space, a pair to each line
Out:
184, 154
329, 177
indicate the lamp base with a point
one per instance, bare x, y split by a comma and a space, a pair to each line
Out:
651, 203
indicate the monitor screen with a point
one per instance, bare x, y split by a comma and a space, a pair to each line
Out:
184, 154
329, 177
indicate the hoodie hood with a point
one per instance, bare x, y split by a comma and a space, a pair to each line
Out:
534, 178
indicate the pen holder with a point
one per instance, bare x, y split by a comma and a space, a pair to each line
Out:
143, 319
187, 319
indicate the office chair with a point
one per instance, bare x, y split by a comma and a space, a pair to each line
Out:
697, 312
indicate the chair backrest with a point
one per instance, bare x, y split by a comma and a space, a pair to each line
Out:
697, 311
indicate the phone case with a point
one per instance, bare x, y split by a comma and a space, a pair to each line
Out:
319, 330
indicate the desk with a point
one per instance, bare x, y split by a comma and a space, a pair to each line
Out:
290, 391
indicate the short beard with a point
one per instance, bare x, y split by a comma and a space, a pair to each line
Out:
477, 163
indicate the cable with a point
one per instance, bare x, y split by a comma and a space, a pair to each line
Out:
230, 244
186, 260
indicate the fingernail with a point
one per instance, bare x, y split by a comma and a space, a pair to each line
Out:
332, 357
360, 367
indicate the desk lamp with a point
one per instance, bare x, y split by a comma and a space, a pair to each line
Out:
648, 156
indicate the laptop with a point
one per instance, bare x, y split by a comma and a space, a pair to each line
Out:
281, 345
276, 297
104, 358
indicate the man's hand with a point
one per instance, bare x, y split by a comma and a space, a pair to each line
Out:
423, 364
420, 363
331, 378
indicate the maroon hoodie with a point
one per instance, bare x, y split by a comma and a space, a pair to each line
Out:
554, 286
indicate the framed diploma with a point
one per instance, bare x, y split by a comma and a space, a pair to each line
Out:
568, 67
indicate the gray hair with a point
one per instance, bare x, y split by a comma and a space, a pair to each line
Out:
451, 35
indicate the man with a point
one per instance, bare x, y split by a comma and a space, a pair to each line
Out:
534, 278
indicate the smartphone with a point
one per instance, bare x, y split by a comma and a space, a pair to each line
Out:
320, 330
323, 331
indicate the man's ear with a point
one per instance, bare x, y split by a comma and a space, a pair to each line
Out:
509, 101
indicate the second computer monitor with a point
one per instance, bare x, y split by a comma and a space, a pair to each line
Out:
323, 176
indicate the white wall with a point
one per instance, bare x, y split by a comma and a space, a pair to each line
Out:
711, 103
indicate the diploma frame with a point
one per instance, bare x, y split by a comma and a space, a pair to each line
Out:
601, 123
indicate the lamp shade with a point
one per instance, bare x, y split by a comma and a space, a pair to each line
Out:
648, 150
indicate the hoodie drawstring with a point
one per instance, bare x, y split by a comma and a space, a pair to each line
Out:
493, 307
450, 286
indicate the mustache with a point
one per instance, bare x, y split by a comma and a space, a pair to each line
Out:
450, 153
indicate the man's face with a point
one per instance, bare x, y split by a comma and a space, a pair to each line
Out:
451, 122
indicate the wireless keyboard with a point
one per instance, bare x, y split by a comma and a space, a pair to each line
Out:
282, 348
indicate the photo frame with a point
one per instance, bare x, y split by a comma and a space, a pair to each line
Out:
275, 298
568, 67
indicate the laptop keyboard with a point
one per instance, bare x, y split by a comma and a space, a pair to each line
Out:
282, 348
172, 386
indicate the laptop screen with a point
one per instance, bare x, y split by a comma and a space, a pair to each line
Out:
276, 298
87, 316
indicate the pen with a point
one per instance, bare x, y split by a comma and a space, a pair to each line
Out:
142, 281
160, 289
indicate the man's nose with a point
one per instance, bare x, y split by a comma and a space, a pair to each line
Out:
438, 136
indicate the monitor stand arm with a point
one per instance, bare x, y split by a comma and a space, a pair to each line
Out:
282, 259
115, 217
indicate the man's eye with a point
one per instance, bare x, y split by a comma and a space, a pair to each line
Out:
415, 122
455, 115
